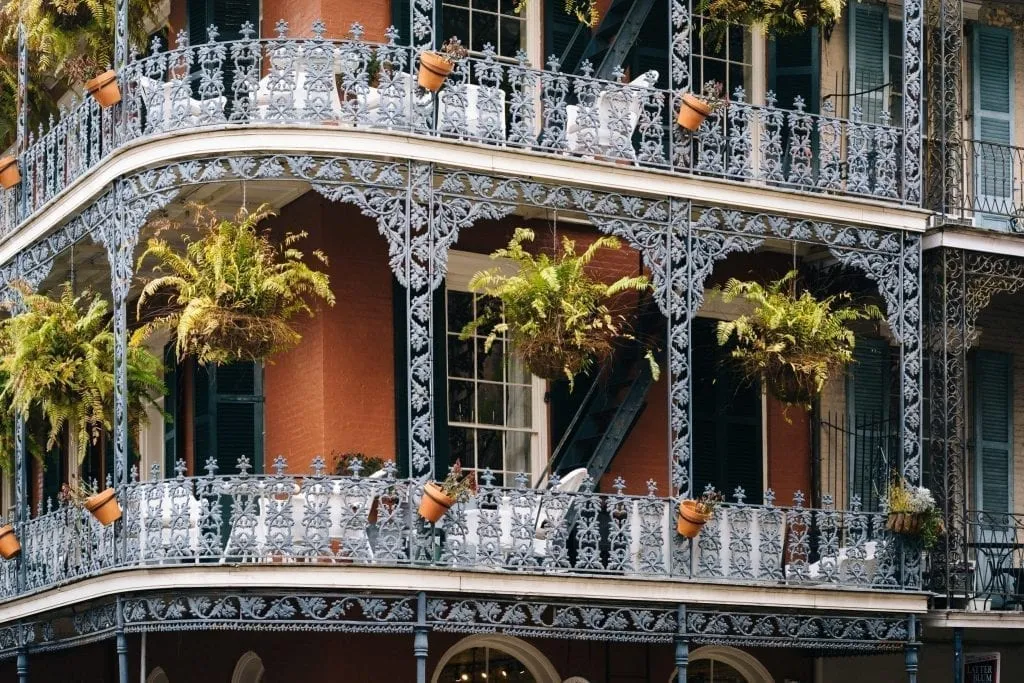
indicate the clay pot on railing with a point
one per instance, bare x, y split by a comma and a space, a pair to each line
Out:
10, 174
692, 112
10, 546
104, 506
690, 520
104, 89
434, 69
434, 503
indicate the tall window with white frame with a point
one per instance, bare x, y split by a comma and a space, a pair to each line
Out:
481, 22
491, 396
726, 56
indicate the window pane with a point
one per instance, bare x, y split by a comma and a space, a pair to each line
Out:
460, 310
490, 363
460, 357
454, 22
490, 407
460, 439
484, 31
517, 451
488, 448
520, 408
510, 37
461, 401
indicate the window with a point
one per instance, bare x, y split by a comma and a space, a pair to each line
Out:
249, 669
873, 434
993, 416
996, 189
727, 59
227, 15
494, 658
482, 22
715, 664
876, 62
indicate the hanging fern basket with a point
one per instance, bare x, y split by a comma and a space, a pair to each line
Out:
548, 357
790, 385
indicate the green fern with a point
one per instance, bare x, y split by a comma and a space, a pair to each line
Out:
59, 360
556, 315
68, 41
232, 294
773, 17
792, 343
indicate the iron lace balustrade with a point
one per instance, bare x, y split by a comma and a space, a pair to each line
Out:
993, 185
257, 520
487, 100
994, 575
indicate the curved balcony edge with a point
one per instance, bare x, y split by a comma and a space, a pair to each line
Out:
355, 143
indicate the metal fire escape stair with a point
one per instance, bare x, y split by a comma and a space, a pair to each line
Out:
609, 45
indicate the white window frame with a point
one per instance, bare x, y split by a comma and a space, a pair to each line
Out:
462, 266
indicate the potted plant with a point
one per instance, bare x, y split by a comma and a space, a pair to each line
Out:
435, 65
232, 295
59, 361
68, 42
10, 546
104, 88
695, 513
102, 505
774, 18
913, 512
438, 498
10, 173
792, 343
556, 315
695, 108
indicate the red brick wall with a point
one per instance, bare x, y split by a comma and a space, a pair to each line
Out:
789, 451
337, 14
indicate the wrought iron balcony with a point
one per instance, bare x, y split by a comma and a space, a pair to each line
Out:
487, 100
993, 576
372, 521
993, 185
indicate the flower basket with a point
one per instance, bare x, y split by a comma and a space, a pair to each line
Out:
434, 70
104, 507
549, 359
104, 89
10, 546
692, 112
907, 523
10, 173
691, 520
434, 503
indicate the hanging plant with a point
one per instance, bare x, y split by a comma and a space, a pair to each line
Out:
793, 344
773, 17
232, 295
60, 362
585, 11
556, 315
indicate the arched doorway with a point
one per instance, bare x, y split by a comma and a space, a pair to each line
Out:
249, 669
713, 664
496, 658
157, 675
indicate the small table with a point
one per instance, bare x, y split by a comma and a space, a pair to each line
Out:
1001, 564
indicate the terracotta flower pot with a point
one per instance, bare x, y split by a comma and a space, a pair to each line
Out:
104, 89
903, 522
434, 503
104, 507
434, 69
10, 546
692, 112
690, 521
10, 174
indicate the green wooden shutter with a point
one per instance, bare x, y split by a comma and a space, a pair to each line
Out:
993, 121
228, 415
993, 396
868, 59
793, 69
227, 15
727, 450
400, 20
870, 456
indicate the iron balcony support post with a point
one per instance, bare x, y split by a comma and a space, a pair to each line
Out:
419, 644
682, 642
121, 36
122, 645
958, 655
22, 664
910, 650
21, 511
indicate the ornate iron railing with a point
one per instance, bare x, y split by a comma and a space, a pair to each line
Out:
259, 519
993, 185
994, 571
487, 100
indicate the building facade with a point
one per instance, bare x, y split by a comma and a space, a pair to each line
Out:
880, 160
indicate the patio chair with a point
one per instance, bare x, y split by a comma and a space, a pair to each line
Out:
608, 141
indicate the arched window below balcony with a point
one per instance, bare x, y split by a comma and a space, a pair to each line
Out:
724, 665
496, 658
249, 669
